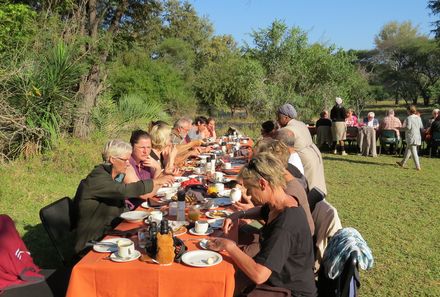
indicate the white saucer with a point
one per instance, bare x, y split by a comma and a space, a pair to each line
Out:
114, 257
193, 232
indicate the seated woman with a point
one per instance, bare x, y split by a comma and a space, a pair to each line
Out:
162, 150
211, 128
268, 129
143, 166
200, 129
100, 197
285, 258
351, 119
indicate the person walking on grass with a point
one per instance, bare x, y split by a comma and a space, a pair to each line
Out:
413, 126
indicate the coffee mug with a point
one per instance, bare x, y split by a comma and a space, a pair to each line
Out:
218, 176
125, 248
227, 165
244, 141
201, 227
155, 216
235, 195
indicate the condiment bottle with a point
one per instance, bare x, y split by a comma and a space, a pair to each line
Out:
180, 205
152, 248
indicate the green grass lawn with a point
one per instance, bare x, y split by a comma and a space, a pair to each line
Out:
396, 210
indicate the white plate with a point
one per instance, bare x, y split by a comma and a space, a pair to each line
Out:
211, 214
107, 249
216, 223
193, 232
222, 201
134, 216
193, 176
146, 205
176, 225
114, 257
200, 258
180, 179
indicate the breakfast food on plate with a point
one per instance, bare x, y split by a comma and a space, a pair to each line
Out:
218, 213
210, 260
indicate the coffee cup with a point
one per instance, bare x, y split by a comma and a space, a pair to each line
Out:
235, 195
125, 248
218, 176
244, 141
201, 227
155, 216
220, 187
227, 165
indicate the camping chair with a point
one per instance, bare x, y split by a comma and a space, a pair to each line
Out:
435, 142
57, 219
388, 137
352, 135
55, 284
345, 285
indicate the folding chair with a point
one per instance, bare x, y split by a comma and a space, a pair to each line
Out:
57, 219
345, 285
388, 137
435, 142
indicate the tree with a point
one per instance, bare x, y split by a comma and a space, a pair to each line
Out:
434, 5
411, 61
233, 81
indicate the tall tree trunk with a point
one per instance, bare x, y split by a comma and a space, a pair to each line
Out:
88, 92
92, 85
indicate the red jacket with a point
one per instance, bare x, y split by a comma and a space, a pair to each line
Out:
16, 264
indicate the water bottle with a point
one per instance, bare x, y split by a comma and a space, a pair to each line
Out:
180, 205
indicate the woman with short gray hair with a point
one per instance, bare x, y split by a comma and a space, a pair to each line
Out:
100, 197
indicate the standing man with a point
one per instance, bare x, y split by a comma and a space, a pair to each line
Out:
304, 146
339, 128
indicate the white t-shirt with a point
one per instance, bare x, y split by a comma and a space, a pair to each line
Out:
295, 160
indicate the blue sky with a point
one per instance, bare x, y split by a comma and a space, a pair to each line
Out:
350, 24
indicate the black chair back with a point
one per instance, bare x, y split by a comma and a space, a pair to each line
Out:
314, 196
57, 221
345, 285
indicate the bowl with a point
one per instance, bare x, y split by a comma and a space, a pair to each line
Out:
134, 216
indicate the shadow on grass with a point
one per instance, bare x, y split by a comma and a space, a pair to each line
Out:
40, 247
334, 158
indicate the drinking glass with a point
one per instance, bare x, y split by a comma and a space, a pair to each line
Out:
194, 213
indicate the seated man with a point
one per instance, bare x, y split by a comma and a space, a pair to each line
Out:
184, 145
199, 129
390, 122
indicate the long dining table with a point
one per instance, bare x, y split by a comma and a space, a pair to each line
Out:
96, 275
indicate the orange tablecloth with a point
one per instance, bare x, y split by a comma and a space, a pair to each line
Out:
96, 276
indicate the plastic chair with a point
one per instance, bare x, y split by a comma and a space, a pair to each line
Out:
435, 142
57, 219
388, 137
345, 285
